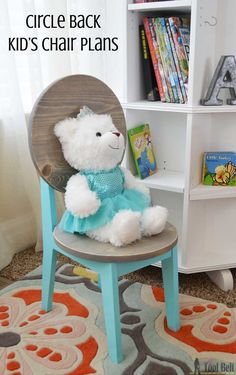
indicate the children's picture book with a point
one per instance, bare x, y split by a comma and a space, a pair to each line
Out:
165, 60
179, 46
168, 41
152, 48
141, 146
176, 60
184, 29
151, 88
219, 169
159, 62
173, 70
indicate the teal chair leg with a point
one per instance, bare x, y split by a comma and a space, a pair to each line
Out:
49, 269
171, 288
49, 220
111, 308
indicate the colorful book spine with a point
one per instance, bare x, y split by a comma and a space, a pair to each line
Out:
165, 60
154, 58
152, 93
160, 66
184, 29
177, 65
176, 88
179, 47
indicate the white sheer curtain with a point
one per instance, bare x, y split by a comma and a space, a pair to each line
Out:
23, 75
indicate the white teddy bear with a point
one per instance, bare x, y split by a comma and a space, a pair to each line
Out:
104, 200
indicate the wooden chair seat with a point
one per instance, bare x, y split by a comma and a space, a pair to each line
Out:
86, 248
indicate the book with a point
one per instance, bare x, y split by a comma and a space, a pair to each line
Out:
160, 66
165, 60
177, 65
152, 92
154, 58
179, 47
168, 40
184, 29
219, 169
141, 146
177, 90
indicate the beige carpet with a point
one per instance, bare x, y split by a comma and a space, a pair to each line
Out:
197, 285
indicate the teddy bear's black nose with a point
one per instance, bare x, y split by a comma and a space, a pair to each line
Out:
116, 133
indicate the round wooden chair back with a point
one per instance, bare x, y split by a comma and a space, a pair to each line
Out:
65, 98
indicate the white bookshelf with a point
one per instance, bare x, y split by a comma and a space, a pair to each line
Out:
204, 215
166, 180
174, 5
174, 107
156, 106
211, 192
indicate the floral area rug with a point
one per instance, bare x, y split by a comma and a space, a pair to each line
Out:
70, 340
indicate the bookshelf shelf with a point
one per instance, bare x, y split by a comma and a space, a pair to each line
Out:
213, 109
201, 192
174, 5
145, 105
166, 180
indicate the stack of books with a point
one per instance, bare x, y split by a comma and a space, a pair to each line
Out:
165, 46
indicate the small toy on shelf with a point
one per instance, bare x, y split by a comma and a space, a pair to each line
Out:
141, 145
219, 168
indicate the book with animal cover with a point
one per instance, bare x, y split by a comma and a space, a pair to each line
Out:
154, 58
165, 60
160, 66
141, 146
151, 88
177, 90
177, 65
219, 168
179, 47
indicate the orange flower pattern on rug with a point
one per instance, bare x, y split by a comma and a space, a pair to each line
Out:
205, 327
70, 340
60, 341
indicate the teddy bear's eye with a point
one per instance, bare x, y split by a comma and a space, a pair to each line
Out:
98, 134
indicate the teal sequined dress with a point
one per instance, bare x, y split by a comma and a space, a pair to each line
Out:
109, 187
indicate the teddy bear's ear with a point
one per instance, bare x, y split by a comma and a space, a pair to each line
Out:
65, 129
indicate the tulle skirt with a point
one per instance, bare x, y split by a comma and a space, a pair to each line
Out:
129, 199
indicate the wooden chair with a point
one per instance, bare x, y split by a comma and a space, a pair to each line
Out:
64, 99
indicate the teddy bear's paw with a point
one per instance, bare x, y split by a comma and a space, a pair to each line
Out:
125, 228
153, 220
84, 205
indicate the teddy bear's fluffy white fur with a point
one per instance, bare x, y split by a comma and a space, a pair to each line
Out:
84, 150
